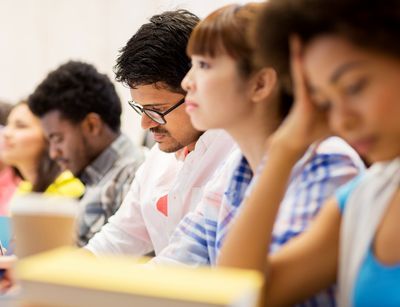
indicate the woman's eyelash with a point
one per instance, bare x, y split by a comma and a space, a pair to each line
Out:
356, 87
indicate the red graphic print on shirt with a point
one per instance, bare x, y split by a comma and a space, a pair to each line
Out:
162, 205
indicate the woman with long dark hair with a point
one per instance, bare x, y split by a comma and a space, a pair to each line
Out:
25, 148
345, 63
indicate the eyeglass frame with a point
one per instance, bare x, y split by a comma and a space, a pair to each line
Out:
139, 109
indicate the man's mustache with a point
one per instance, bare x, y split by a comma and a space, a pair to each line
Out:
159, 130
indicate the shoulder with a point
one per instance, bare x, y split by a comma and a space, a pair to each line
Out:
66, 185
215, 141
333, 155
343, 193
337, 147
24, 187
226, 170
127, 152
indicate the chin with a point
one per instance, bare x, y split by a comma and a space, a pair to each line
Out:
169, 148
381, 156
200, 126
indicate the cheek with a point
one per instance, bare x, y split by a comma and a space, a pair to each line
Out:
29, 140
32, 139
383, 110
215, 88
37, 145
179, 123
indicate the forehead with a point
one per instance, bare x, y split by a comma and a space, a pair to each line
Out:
324, 55
21, 112
53, 122
152, 94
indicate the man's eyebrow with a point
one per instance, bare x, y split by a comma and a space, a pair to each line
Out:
154, 104
341, 70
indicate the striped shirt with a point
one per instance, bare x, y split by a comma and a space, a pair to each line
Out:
314, 178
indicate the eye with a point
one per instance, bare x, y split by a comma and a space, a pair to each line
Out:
204, 65
155, 109
325, 106
356, 87
20, 125
56, 139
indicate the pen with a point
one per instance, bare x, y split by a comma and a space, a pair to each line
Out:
2, 271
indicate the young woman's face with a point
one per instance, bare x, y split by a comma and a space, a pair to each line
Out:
216, 93
361, 93
24, 140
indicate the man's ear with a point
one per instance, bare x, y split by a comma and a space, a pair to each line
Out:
264, 83
92, 124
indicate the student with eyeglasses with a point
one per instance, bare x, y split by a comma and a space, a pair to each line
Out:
170, 182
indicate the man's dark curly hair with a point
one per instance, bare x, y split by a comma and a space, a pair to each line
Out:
370, 24
76, 89
157, 52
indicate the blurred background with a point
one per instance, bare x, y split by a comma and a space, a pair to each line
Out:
38, 35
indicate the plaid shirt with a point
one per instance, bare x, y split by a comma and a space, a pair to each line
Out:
107, 180
314, 178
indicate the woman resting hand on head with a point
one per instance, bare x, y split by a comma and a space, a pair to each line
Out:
345, 60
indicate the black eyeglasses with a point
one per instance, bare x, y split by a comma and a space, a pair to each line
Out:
155, 115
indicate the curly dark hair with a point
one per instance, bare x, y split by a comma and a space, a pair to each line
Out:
157, 52
369, 24
76, 89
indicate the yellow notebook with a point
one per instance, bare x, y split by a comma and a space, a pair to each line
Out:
69, 277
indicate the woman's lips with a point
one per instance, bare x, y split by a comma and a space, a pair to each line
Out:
190, 106
6, 145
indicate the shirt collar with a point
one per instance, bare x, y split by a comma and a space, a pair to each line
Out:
239, 183
94, 172
206, 140
182, 153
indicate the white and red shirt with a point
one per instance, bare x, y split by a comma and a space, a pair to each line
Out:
166, 187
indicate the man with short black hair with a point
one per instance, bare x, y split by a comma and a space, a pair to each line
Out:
171, 180
80, 112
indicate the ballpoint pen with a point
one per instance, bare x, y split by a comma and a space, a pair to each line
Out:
2, 271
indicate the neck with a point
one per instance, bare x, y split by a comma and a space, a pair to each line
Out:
191, 146
105, 140
2, 166
252, 136
28, 172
